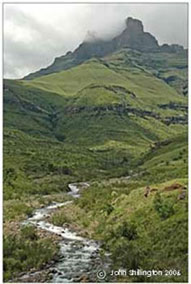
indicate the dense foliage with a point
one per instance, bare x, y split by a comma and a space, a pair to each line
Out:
26, 251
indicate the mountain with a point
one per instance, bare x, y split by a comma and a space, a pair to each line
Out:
133, 37
92, 121
107, 111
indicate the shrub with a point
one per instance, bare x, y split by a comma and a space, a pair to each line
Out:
29, 232
25, 251
127, 230
127, 254
59, 219
9, 176
163, 207
108, 208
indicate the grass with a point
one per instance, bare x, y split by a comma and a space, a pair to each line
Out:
135, 230
77, 81
99, 122
130, 228
26, 251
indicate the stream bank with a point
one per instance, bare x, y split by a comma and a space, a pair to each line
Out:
79, 258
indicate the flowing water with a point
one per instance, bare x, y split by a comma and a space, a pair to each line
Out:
79, 258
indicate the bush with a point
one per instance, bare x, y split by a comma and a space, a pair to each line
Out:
163, 207
25, 251
108, 208
58, 219
127, 254
127, 230
9, 176
29, 232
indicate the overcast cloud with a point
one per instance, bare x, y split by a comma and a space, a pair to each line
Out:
34, 34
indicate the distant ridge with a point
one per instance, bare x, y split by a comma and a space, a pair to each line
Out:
133, 37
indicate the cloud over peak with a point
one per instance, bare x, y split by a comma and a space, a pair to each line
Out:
34, 34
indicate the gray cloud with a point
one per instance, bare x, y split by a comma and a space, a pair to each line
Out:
34, 34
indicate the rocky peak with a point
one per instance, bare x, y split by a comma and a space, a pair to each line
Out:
134, 25
133, 37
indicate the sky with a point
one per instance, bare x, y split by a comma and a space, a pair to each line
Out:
34, 34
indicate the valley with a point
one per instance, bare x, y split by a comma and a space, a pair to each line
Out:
118, 121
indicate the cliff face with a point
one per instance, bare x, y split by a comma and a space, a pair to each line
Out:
133, 37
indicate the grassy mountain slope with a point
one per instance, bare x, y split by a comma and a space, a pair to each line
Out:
145, 86
112, 124
124, 114
170, 67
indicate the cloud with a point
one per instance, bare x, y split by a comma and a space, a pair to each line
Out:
34, 34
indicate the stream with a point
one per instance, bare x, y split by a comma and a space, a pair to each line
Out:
79, 258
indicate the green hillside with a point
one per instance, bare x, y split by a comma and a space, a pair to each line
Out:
116, 71
101, 121
113, 116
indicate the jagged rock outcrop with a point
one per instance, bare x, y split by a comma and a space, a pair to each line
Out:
133, 37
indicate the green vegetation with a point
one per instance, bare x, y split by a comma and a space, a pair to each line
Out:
148, 233
25, 251
163, 207
101, 121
